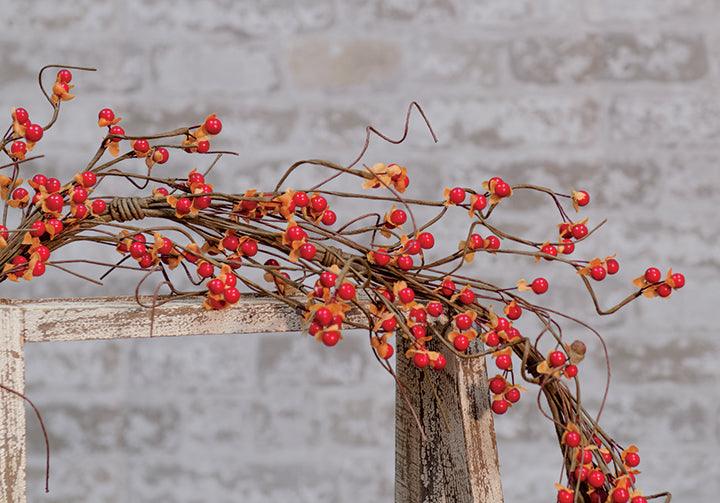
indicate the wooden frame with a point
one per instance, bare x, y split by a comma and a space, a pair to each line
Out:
456, 462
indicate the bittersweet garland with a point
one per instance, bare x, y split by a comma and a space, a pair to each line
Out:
288, 245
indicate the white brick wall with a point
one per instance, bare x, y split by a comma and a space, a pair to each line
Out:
617, 97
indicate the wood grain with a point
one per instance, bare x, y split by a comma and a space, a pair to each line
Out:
457, 462
12, 407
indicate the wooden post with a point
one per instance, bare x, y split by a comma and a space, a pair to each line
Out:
457, 462
12, 407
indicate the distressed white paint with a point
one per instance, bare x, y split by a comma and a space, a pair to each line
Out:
458, 460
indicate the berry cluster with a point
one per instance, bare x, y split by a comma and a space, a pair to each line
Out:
381, 271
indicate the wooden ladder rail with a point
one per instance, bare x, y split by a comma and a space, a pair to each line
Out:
456, 463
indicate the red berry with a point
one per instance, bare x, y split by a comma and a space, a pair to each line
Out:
598, 273
33, 132
549, 250
307, 251
107, 114
323, 316
329, 217
80, 211
632, 459
53, 185
512, 395
557, 359
203, 146
232, 295
678, 280
492, 338
202, 202
503, 362
582, 198
565, 496
137, 249
346, 291
213, 125
166, 247
117, 131
498, 385
161, 155
21, 115
398, 217
98, 207
141, 146
512, 333
381, 257
502, 189
39, 269
568, 246
249, 248
301, 199
653, 275
501, 324
572, 438
596, 478
492, 243
426, 240
19, 261
447, 288
613, 266
18, 148
405, 262
318, 203
418, 331
406, 295
461, 342
467, 296
620, 495
570, 371
513, 311
64, 76
205, 269
439, 362
463, 321
585, 456
421, 360
476, 242
54, 202
664, 290
79, 195
37, 229
539, 285
183, 206
43, 252
19, 193
328, 279
480, 202
500, 406
89, 179
434, 308
418, 314
56, 224
412, 247
330, 337
639, 499
579, 231
457, 195
389, 324
215, 286
295, 233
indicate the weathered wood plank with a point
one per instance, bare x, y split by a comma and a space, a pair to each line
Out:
12, 410
50, 320
458, 462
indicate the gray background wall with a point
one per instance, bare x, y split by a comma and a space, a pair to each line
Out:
617, 97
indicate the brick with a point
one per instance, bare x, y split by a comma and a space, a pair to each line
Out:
667, 119
646, 10
506, 12
662, 57
321, 63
